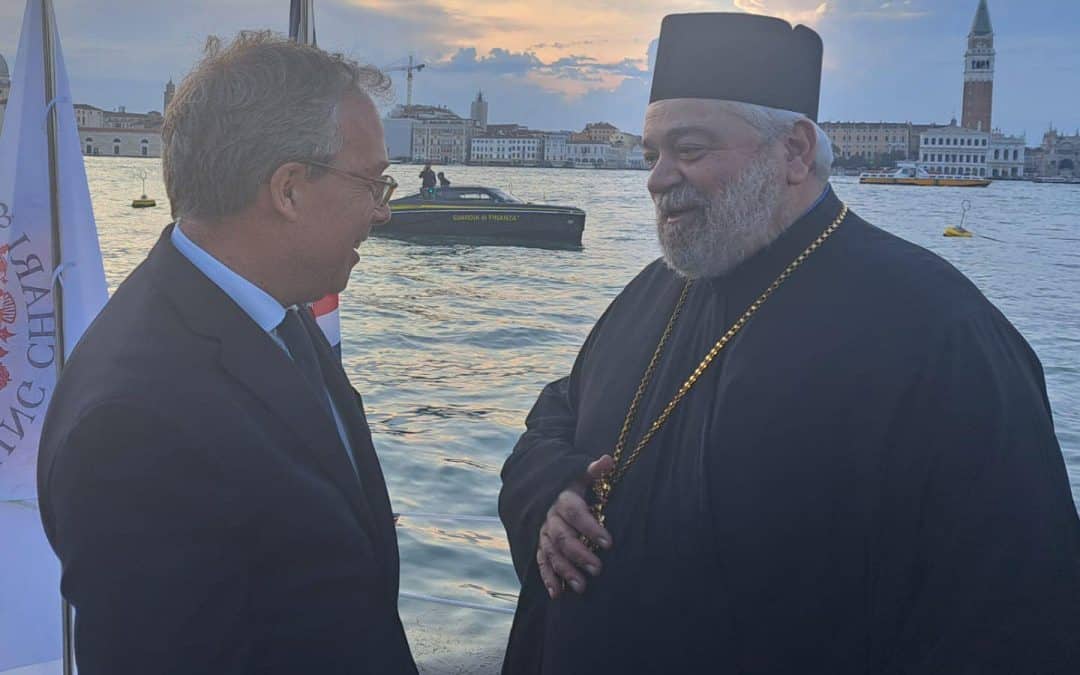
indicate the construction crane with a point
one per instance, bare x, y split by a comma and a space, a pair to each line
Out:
409, 76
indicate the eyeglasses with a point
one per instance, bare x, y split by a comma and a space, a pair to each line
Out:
382, 187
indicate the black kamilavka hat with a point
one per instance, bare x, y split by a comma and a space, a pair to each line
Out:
738, 57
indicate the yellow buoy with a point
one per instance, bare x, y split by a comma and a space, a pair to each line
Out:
958, 230
143, 202
953, 231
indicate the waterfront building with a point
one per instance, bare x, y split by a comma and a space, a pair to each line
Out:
504, 129
1033, 161
398, 132
438, 134
556, 152
871, 142
629, 157
114, 142
592, 155
979, 72
93, 117
625, 139
597, 132
1006, 156
118, 133
478, 111
954, 151
89, 116
917, 131
521, 149
1059, 155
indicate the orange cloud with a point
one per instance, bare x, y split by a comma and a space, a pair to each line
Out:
808, 12
604, 29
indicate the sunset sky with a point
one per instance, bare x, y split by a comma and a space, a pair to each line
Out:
561, 63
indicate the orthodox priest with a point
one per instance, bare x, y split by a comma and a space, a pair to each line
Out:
796, 443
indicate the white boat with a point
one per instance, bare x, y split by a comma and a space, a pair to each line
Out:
909, 173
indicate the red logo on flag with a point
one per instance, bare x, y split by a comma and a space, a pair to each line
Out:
8, 310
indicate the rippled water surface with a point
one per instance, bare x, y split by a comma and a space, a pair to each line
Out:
450, 344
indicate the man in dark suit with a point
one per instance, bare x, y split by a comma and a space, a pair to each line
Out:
207, 475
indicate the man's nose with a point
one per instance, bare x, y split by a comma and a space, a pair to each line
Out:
664, 176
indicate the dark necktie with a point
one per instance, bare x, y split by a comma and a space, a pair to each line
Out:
296, 338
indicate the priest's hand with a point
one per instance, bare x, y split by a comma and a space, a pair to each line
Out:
561, 553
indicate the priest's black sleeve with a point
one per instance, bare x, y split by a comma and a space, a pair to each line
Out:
997, 581
543, 463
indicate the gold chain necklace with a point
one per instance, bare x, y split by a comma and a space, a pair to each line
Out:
605, 485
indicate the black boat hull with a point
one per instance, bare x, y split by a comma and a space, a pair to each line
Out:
544, 225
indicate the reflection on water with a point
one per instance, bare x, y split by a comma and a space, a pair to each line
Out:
450, 343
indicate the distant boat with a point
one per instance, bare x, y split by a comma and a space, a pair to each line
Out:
482, 213
1062, 180
912, 174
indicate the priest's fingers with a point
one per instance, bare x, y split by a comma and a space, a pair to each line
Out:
572, 508
601, 466
567, 541
552, 583
592, 472
564, 553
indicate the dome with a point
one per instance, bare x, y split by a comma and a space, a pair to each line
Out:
4, 75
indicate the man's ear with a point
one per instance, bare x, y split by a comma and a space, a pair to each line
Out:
288, 185
800, 148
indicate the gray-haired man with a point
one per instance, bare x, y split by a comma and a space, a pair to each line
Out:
207, 476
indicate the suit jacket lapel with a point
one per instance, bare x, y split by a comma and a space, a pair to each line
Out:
252, 357
350, 407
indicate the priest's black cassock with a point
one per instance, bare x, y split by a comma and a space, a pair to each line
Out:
866, 480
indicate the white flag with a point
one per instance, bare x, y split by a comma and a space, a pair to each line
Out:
28, 347
29, 573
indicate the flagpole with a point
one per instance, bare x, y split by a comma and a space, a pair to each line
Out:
52, 130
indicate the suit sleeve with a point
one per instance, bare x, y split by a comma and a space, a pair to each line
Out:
998, 582
148, 533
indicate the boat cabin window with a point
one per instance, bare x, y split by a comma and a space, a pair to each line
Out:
471, 195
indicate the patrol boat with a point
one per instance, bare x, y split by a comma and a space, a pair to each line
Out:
481, 213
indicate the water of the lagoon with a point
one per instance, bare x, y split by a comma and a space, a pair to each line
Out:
451, 344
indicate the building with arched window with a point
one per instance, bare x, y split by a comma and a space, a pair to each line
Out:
954, 151
1059, 155
111, 142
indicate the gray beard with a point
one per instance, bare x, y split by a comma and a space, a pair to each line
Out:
720, 233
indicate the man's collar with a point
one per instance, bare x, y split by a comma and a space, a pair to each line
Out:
263, 309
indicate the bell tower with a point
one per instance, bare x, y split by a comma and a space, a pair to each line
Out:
479, 110
979, 72
170, 91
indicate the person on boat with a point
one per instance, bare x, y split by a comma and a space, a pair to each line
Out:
207, 476
427, 180
795, 443
443, 180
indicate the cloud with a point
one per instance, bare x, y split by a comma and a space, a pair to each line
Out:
561, 63
817, 12
566, 45
793, 11
498, 61
572, 75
